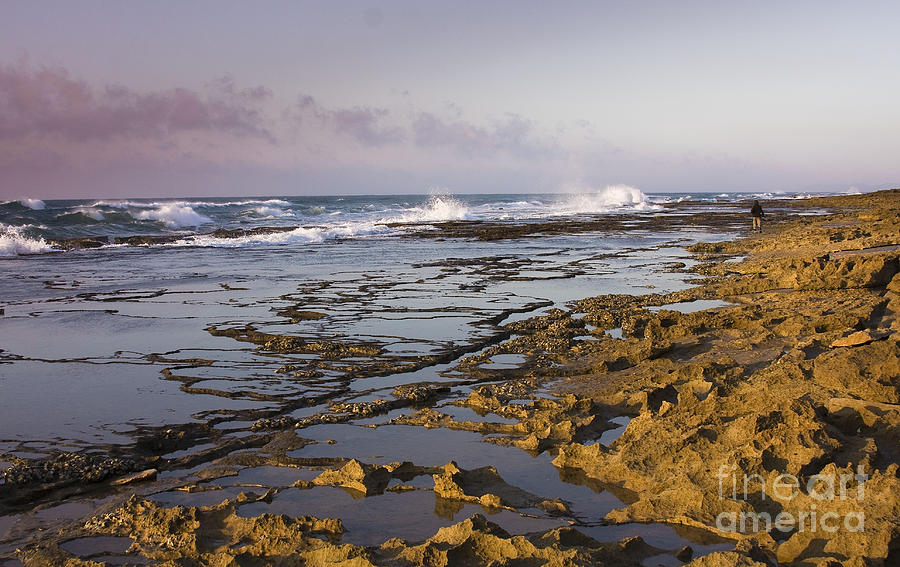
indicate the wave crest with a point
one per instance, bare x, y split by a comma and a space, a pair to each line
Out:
270, 212
174, 215
33, 204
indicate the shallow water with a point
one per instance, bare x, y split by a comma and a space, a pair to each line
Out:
611, 435
690, 306
92, 545
71, 350
662, 536
413, 515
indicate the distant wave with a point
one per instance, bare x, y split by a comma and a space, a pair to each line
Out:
189, 203
266, 212
82, 214
33, 204
79, 216
14, 243
175, 216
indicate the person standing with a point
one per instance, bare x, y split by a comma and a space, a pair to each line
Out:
757, 213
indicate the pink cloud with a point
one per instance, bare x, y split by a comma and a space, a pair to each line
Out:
48, 102
58, 131
367, 125
513, 135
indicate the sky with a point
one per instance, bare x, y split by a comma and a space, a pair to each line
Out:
159, 98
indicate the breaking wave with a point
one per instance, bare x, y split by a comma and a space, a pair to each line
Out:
300, 235
33, 204
175, 215
437, 208
265, 212
613, 197
14, 243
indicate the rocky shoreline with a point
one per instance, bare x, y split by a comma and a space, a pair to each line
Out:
790, 395
771, 419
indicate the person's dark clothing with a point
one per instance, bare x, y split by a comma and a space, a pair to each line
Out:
756, 211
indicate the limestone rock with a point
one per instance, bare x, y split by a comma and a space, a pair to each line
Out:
486, 487
149, 474
858, 338
361, 477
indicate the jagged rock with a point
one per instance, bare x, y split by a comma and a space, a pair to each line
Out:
483, 485
149, 474
858, 338
726, 559
361, 477
684, 554
477, 541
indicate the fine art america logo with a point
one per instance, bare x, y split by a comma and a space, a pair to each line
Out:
785, 487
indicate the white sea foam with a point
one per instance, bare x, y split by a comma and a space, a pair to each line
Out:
267, 202
174, 215
613, 197
120, 204
14, 243
437, 208
510, 210
301, 235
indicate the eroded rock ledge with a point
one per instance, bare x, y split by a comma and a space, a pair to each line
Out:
798, 382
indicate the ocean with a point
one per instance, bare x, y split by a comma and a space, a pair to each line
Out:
27, 225
172, 315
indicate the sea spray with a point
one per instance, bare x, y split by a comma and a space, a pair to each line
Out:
14, 243
613, 197
437, 208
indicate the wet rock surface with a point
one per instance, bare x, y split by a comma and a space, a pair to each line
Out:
68, 468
